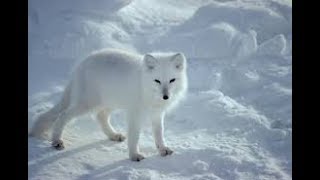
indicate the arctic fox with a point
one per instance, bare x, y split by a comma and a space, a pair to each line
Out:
146, 86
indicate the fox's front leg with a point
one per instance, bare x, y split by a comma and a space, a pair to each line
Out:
134, 126
157, 127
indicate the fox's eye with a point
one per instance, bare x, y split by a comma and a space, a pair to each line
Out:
172, 80
157, 81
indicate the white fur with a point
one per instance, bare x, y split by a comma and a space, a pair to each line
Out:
114, 79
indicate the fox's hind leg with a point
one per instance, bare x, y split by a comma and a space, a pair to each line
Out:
103, 117
46, 120
65, 117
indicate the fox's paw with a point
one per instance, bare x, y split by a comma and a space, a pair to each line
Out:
58, 144
164, 151
136, 157
117, 137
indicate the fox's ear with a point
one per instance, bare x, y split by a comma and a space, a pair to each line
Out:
179, 60
150, 61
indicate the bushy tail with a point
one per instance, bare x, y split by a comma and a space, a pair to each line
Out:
46, 120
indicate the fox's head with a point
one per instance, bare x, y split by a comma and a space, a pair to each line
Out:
165, 75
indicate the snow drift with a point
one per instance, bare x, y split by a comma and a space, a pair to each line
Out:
236, 121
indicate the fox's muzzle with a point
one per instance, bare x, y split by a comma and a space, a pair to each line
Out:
165, 93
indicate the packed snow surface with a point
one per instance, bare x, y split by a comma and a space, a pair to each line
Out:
236, 121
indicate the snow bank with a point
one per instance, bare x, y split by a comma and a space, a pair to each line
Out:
235, 122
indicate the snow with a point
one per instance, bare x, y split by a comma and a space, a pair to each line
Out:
235, 122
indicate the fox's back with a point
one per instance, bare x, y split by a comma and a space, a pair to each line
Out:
110, 76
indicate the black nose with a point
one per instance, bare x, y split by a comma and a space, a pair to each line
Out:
165, 97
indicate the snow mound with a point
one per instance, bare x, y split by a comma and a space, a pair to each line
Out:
236, 120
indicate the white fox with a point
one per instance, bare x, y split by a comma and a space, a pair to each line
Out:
146, 86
